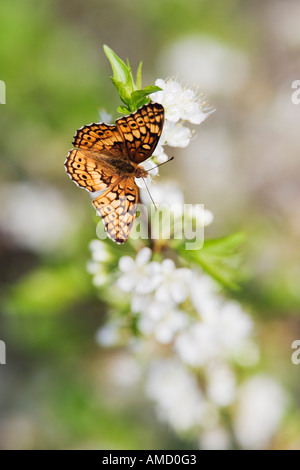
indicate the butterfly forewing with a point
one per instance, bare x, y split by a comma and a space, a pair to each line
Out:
142, 130
100, 137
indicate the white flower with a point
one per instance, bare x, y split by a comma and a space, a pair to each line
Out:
175, 135
159, 318
235, 325
205, 296
197, 211
172, 322
96, 265
159, 154
168, 97
138, 275
179, 103
224, 330
248, 354
142, 277
261, 404
161, 158
150, 166
197, 345
176, 393
227, 319
162, 321
141, 303
172, 285
221, 388
167, 193
100, 275
208, 217
99, 251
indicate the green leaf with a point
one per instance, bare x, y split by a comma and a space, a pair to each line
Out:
124, 92
219, 258
137, 102
120, 70
142, 102
225, 245
138, 96
123, 110
122, 78
130, 93
138, 82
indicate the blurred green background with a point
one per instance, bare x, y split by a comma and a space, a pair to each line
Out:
57, 390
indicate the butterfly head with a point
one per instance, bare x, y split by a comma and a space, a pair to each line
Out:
140, 172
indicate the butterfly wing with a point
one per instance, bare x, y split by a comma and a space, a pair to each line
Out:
102, 138
94, 164
141, 131
89, 173
117, 207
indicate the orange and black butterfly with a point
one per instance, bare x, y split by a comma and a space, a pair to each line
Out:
107, 157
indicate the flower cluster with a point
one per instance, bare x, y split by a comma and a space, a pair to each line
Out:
181, 105
162, 295
192, 341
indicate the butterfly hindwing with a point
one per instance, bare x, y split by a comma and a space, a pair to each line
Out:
117, 207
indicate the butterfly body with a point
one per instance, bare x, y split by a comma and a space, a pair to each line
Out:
107, 157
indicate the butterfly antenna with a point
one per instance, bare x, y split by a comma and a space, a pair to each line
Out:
150, 194
160, 164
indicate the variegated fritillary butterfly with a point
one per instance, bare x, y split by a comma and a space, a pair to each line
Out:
107, 157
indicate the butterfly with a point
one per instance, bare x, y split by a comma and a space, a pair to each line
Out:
108, 156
